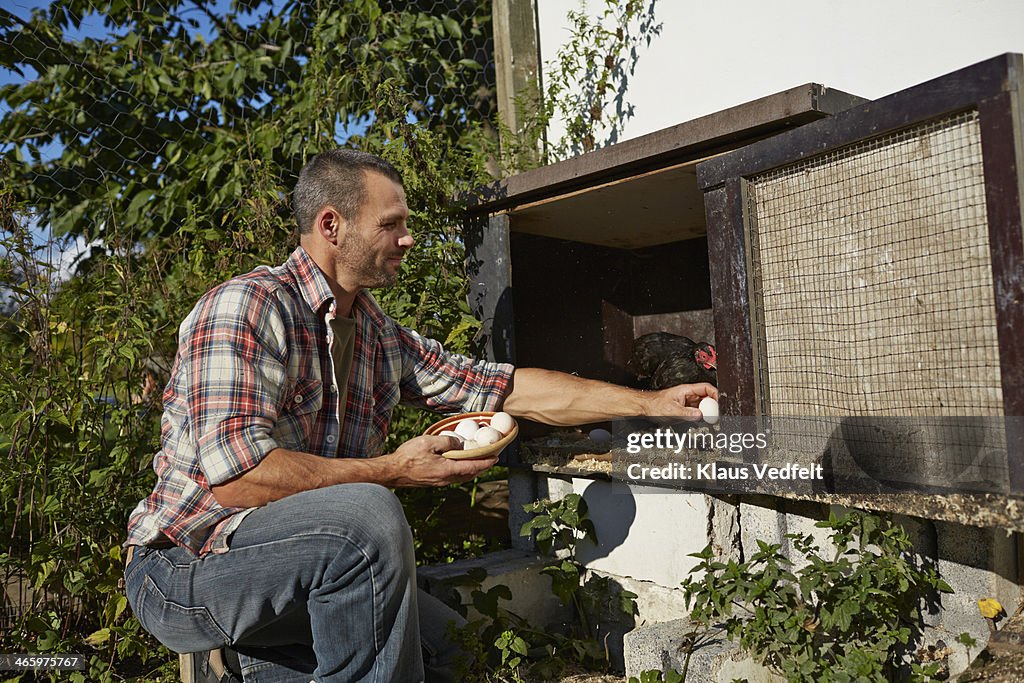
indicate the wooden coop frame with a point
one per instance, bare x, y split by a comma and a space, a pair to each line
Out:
984, 100
542, 245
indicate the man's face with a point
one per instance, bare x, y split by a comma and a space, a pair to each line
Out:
371, 246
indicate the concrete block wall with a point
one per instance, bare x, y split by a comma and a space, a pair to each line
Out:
658, 647
976, 563
532, 598
645, 536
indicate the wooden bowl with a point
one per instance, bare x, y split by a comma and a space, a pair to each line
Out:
484, 418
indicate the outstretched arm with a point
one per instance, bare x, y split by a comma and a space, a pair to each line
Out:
557, 398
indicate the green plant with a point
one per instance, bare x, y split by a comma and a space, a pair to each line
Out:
656, 676
853, 616
588, 79
558, 527
503, 646
498, 643
967, 640
444, 522
168, 151
75, 430
584, 104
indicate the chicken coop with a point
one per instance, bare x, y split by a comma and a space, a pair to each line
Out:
571, 262
859, 267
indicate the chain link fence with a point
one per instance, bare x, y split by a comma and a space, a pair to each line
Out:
147, 152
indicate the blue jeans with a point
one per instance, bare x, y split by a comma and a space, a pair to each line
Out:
321, 584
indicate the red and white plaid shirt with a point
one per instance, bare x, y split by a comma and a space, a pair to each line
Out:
254, 372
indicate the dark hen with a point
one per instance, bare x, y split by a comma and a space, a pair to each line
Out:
662, 360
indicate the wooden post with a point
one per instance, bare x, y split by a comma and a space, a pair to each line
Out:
489, 270
517, 67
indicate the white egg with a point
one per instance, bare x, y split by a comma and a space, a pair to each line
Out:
487, 435
709, 409
467, 428
600, 435
469, 444
503, 422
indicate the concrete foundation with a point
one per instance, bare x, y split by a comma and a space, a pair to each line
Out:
665, 646
645, 537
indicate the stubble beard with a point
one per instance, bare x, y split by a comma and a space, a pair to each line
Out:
356, 257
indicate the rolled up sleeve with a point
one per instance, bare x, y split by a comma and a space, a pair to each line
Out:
443, 382
236, 374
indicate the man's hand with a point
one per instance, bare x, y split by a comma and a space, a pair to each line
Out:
418, 462
679, 401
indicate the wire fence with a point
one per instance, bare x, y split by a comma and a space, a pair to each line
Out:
147, 152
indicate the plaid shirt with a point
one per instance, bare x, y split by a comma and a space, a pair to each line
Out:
254, 373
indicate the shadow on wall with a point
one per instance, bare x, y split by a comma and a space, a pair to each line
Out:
878, 454
612, 509
610, 505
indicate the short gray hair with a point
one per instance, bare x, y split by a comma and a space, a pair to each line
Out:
336, 178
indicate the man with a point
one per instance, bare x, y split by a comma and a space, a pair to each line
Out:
272, 527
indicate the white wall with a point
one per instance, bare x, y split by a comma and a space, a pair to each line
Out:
713, 55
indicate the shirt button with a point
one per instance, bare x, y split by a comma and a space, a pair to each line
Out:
334, 388
330, 438
298, 398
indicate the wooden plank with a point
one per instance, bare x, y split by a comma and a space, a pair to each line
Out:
730, 299
649, 210
979, 510
716, 132
1002, 143
953, 92
517, 63
761, 388
489, 270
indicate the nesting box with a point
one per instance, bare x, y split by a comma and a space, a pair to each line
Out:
569, 263
872, 273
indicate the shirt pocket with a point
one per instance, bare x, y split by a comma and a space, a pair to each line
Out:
297, 420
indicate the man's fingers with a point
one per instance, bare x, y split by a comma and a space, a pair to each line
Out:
442, 444
709, 390
471, 468
692, 393
690, 414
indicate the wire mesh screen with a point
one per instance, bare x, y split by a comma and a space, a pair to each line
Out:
872, 280
874, 275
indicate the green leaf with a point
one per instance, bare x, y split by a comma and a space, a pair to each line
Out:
97, 638
452, 26
519, 645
